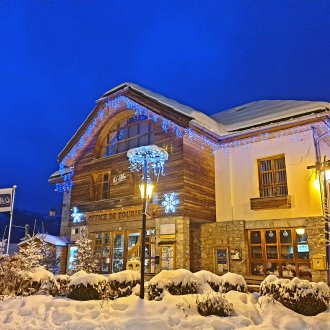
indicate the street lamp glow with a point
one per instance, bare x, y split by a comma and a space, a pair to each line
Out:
327, 175
150, 188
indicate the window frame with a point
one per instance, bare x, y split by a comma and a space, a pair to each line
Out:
280, 261
114, 140
99, 194
274, 188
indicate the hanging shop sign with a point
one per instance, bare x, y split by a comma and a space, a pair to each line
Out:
5, 199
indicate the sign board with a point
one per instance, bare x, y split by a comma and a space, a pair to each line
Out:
221, 260
120, 214
119, 178
5, 199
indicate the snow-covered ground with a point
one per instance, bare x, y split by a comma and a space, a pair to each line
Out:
173, 312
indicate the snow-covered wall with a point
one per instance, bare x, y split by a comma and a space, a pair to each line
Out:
236, 172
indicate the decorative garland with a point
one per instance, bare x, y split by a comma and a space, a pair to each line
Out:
111, 105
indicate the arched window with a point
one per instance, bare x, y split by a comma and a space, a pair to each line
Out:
129, 133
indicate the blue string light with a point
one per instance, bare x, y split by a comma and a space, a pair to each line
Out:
111, 105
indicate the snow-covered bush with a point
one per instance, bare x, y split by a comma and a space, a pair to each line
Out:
15, 280
56, 286
83, 286
213, 304
121, 284
232, 281
176, 282
85, 258
224, 283
302, 296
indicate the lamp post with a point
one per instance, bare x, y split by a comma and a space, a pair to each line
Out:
142, 158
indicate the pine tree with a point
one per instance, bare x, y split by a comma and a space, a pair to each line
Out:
31, 254
50, 260
2, 246
85, 258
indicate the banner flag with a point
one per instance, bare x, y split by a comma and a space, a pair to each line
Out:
6, 199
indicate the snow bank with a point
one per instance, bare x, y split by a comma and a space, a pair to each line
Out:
173, 312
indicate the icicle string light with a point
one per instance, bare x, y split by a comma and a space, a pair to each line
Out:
111, 105
152, 155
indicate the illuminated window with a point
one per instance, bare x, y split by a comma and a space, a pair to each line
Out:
131, 133
272, 176
280, 252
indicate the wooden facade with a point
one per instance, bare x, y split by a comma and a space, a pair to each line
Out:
189, 173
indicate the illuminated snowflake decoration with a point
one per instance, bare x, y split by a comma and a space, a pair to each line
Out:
170, 201
152, 156
77, 216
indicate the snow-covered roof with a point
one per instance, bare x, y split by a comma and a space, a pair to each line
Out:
198, 117
267, 112
54, 240
59, 173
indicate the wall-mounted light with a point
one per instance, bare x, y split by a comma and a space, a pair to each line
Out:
327, 175
300, 231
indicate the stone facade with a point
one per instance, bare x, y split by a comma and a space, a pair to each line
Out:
65, 229
316, 241
233, 234
230, 234
181, 240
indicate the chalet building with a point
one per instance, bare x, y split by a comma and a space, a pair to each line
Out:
238, 193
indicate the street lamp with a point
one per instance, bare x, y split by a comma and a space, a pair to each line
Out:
143, 158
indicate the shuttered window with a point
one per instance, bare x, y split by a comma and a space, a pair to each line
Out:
272, 176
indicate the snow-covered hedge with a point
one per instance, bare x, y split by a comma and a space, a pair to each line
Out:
121, 284
15, 280
83, 286
213, 304
224, 283
176, 282
302, 296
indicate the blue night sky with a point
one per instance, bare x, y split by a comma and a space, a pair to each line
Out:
58, 57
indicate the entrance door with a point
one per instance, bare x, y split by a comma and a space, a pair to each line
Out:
118, 252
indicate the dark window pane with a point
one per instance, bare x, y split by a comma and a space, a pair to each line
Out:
272, 268
286, 236
270, 236
271, 252
286, 252
255, 237
256, 252
257, 268
288, 270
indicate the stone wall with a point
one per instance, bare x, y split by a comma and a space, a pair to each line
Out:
181, 240
316, 242
227, 233
195, 245
66, 213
